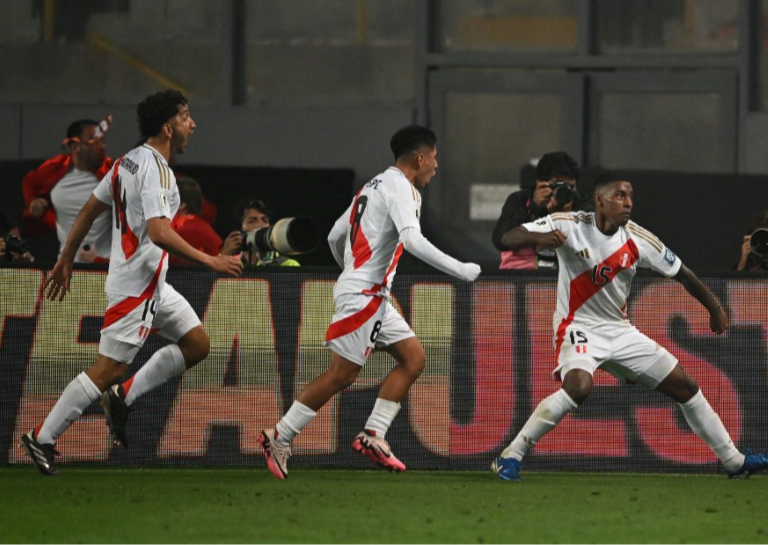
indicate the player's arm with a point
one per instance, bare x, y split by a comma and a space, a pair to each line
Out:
337, 238
521, 237
162, 235
403, 207
419, 246
718, 319
57, 282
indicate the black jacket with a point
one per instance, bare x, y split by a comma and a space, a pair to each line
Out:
520, 208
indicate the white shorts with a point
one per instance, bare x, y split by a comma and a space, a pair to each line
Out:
130, 320
362, 323
624, 352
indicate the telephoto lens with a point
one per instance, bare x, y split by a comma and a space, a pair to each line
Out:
758, 242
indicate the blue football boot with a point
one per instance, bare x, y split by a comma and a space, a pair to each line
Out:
752, 464
506, 468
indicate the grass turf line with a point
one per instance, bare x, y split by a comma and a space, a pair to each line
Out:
354, 506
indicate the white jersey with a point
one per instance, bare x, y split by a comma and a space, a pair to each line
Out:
382, 209
68, 197
596, 271
140, 186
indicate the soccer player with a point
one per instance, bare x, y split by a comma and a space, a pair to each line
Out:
599, 254
142, 189
367, 242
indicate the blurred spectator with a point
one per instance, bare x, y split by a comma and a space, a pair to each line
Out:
254, 214
208, 210
56, 191
557, 173
753, 255
189, 225
12, 246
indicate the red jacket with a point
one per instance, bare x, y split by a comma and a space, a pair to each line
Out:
198, 234
39, 183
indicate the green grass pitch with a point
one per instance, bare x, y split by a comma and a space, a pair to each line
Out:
204, 505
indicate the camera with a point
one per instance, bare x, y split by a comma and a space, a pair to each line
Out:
289, 236
16, 245
758, 242
562, 192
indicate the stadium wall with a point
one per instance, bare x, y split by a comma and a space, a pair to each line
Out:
489, 358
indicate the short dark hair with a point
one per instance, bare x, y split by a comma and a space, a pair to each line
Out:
190, 194
75, 129
157, 109
252, 203
557, 164
607, 178
411, 139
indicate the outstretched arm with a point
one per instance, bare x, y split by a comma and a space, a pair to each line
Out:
520, 237
162, 235
416, 244
718, 319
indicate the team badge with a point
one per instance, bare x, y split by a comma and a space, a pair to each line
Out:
624, 259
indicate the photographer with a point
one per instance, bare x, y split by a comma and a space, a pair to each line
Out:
253, 214
754, 247
554, 190
12, 246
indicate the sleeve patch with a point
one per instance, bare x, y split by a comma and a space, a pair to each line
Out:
669, 256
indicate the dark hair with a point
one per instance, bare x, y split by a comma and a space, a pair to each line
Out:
557, 164
411, 139
605, 179
252, 203
75, 130
190, 194
157, 109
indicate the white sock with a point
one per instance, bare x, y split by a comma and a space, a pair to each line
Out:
75, 398
705, 423
164, 364
295, 420
546, 416
384, 412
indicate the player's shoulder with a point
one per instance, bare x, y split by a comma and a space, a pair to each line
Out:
154, 165
636, 232
393, 183
578, 218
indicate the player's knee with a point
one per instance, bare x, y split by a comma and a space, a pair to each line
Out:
687, 388
578, 386
195, 347
417, 363
344, 378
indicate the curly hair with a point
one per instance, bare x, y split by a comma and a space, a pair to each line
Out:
157, 109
